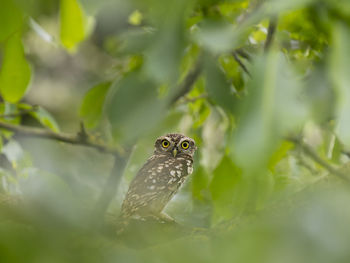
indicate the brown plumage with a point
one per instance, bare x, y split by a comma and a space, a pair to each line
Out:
160, 178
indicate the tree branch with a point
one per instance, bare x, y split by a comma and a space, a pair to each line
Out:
62, 137
313, 155
188, 82
109, 190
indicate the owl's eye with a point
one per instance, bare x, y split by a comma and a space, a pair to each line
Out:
165, 143
185, 145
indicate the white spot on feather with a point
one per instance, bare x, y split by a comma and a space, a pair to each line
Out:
178, 173
189, 169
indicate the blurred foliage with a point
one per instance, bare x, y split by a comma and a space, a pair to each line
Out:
263, 86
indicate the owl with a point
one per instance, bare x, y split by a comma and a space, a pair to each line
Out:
160, 178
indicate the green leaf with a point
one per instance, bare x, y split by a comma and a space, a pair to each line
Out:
11, 19
217, 86
135, 18
15, 71
279, 154
13, 151
45, 118
165, 51
134, 107
219, 37
340, 74
73, 24
271, 110
7, 108
200, 181
93, 102
224, 189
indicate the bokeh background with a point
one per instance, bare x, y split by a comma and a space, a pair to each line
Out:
263, 86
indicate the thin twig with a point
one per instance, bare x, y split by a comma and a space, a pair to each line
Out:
243, 54
241, 63
270, 33
62, 137
312, 154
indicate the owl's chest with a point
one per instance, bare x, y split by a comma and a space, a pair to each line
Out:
170, 174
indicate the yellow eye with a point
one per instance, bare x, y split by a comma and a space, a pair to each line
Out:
185, 145
165, 143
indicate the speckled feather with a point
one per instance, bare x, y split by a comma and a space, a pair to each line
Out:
159, 179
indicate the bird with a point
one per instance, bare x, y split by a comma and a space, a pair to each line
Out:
160, 178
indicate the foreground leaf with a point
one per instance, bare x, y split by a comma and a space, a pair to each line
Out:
15, 71
93, 102
340, 73
72, 30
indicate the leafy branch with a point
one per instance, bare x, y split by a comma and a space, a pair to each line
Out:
76, 139
318, 159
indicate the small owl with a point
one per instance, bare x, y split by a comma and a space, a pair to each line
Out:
160, 178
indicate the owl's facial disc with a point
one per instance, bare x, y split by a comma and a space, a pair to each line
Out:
175, 145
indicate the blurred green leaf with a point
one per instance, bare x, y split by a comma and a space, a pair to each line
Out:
233, 71
135, 18
92, 106
276, 6
201, 116
320, 95
73, 24
272, 108
200, 183
15, 70
13, 151
134, 107
45, 118
165, 52
340, 74
135, 40
217, 86
11, 19
224, 190
218, 36
279, 154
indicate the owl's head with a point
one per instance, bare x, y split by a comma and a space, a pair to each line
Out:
175, 144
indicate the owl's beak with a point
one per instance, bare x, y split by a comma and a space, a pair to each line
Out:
174, 152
